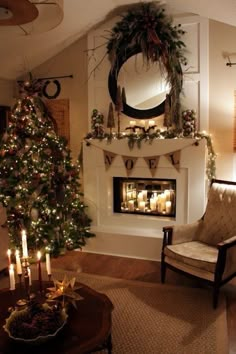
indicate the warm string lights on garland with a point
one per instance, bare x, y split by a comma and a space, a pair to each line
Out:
136, 138
39, 183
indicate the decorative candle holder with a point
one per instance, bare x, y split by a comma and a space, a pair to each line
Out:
25, 266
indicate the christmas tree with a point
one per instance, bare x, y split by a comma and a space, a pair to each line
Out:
39, 183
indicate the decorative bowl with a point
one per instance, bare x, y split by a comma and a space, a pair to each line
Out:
24, 327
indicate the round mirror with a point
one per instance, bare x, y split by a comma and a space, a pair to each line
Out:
144, 85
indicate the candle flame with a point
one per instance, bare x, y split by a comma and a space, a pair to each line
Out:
39, 255
8, 252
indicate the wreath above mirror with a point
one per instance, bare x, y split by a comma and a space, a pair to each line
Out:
146, 27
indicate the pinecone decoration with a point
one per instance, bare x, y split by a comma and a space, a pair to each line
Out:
189, 122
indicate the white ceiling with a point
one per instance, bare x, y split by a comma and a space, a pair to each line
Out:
20, 54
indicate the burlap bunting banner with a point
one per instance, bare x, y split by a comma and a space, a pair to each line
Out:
108, 158
152, 163
129, 163
174, 158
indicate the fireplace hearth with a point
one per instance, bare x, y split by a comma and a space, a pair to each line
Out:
144, 196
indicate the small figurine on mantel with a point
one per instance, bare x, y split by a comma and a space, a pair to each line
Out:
97, 121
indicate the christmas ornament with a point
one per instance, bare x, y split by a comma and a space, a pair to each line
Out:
65, 291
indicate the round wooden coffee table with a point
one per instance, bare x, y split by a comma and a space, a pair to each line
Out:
88, 328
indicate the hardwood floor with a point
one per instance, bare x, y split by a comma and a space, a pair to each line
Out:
143, 270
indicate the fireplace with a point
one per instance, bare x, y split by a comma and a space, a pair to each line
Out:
145, 196
139, 233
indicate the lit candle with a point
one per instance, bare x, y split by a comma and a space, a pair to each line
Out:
141, 206
144, 195
168, 206
29, 274
9, 257
24, 244
131, 205
48, 263
151, 123
39, 270
140, 196
18, 263
142, 123
12, 277
153, 204
132, 123
167, 194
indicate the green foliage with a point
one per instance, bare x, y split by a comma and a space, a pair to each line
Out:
146, 27
147, 137
39, 183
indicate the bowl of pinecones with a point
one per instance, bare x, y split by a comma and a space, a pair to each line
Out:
35, 324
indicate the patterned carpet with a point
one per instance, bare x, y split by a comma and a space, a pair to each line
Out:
160, 319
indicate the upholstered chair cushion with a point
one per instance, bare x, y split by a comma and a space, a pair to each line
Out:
195, 254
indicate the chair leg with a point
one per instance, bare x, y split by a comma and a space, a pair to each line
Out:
163, 272
216, 291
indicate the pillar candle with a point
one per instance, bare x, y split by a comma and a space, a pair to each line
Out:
132, 123
167, 194
24, 244
48, 263
144, 195
153, 204
151, 123
141, 205
39, 270
168, 206
18, 263
12, 277
140, 196
131, 205
9, 257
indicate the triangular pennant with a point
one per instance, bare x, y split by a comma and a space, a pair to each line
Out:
174, 158
129, 163
108, 158
152, 163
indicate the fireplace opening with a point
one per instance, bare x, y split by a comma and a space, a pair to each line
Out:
144, 196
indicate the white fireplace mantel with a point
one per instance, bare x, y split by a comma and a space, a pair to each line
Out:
134, 235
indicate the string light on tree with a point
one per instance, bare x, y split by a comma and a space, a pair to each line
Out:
39, 182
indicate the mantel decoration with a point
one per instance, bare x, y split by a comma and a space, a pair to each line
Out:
136, 134
147, 29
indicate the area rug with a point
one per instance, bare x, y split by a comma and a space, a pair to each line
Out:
159, 319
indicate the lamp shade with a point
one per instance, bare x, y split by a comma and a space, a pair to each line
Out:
27, 17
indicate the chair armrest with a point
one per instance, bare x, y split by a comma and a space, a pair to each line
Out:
167, 237
230, 242
181, 233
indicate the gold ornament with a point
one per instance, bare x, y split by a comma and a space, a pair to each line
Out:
65, 290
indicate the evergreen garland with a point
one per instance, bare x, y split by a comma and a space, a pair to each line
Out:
147, 27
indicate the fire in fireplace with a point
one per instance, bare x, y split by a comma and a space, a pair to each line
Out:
144, 196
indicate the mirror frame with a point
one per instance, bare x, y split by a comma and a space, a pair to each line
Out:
112, 87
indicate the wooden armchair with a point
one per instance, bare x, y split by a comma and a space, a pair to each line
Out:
205, 249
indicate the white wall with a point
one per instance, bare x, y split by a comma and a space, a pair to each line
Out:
6, 92
221, 95
72, 61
